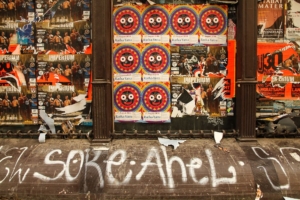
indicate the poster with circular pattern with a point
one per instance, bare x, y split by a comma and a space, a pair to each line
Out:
127, 97
155, 20
126, 59
213, 20
184, 20
156, 97
127, 20
156, 58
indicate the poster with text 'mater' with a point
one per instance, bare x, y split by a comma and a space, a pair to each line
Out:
278, 73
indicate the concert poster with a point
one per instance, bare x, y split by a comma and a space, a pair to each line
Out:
63, 11
203, 80
17, 38
278, 65
270, 21
64, 87
67, 38
18, 92
16, 11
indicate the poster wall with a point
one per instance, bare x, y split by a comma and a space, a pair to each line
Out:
171, 61
45, 53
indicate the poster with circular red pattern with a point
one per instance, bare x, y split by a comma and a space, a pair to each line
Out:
213, 20
127, 21
155, 20
156, 97
156, 59
127, 97
184, 20
126, 59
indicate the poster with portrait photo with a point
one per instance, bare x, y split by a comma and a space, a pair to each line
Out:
18, 92
68, 38
63, 85
63, 11
192, 96
17, 38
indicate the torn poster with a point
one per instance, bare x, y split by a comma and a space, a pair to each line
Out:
17, 38
278, 72
168, 142
292, 31
63, 84
18, 92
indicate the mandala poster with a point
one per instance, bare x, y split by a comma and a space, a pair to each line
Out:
155, 20
127, 20
127, 102
156, 102
156, 58
184, 20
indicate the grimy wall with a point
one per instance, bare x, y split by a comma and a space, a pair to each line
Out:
145, 169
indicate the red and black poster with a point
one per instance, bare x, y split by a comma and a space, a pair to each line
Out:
18, 92
63, 84
278, 70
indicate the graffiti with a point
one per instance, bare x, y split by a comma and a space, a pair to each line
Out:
120, 168
215, 121
286, 186
19, 171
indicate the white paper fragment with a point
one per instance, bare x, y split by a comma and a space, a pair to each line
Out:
167, 142
42, 137
218, 136
295, 156
80, 105
48, 120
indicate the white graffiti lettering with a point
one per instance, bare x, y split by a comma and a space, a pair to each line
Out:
286, 186
110, 162
217, 181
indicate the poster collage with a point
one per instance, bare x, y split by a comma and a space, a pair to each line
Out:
171, 61
45, 55
278, 70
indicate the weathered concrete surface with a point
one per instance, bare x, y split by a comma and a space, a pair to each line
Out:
144, 169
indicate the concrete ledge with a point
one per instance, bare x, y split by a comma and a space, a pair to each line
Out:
144, 169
